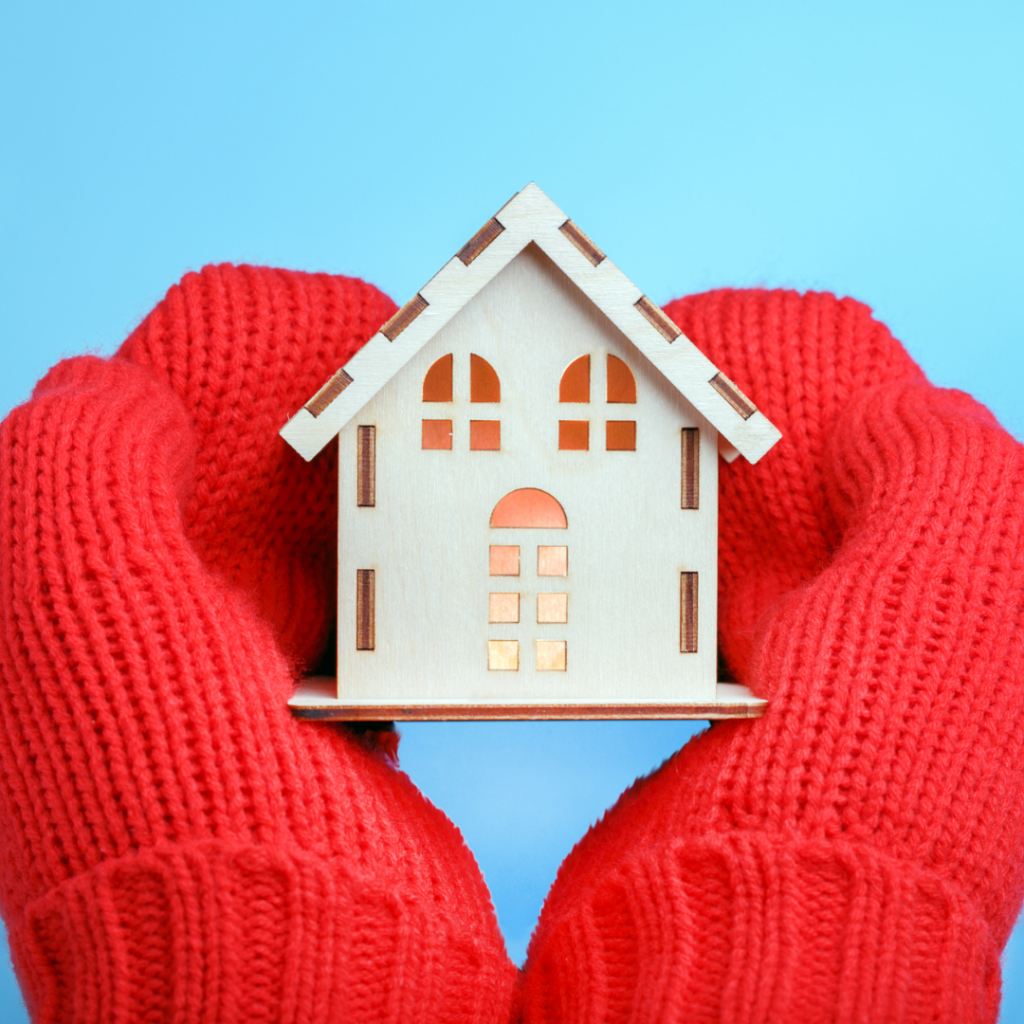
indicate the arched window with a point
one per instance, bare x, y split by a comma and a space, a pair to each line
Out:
574, 435
575, 383
621, 382
484, 385
531, 508
620, 435
528, 508
437, 385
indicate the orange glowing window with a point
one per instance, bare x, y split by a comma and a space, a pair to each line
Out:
552, 560
575, 384
504, 560
528, 507
437, 434
573, 435
621, 382
550, 608
437, 385
484, 385
551, 655
503, 655
503, 608
620, 435
485, 435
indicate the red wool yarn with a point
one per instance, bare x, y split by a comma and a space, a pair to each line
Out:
173, 845
855, 855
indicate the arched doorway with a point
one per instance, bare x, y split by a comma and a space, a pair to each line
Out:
539, 602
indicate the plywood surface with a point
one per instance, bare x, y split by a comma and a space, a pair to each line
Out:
603, 624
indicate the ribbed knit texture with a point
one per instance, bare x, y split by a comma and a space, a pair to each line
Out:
174, 846
855, 855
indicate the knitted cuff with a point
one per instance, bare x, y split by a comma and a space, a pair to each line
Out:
752, 928
215, 932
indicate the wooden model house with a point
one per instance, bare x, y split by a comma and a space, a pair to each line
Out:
528, 478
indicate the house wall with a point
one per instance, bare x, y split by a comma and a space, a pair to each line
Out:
427, 536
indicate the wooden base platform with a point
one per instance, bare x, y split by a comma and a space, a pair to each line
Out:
316, 699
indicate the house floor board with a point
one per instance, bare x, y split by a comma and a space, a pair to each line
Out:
315, 699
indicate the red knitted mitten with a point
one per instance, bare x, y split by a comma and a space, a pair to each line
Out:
173, 845
855, 855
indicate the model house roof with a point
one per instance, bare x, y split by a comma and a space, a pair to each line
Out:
530, 216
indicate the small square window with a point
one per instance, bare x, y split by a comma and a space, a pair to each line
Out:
437, 434
485, 435
504, 559
504, 608
503, 655
552, 560
573, 435
620, 435
550, 655
551, 607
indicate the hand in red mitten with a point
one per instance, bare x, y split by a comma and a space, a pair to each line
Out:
173, 845
857, 853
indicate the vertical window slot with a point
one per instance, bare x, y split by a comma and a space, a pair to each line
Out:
365, 610
366, 467
688, 612
690, 466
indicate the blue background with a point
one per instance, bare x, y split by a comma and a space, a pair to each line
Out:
873, 149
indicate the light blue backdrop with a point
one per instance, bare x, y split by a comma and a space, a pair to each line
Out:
874, 149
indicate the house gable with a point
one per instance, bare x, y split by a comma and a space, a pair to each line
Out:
531, 217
